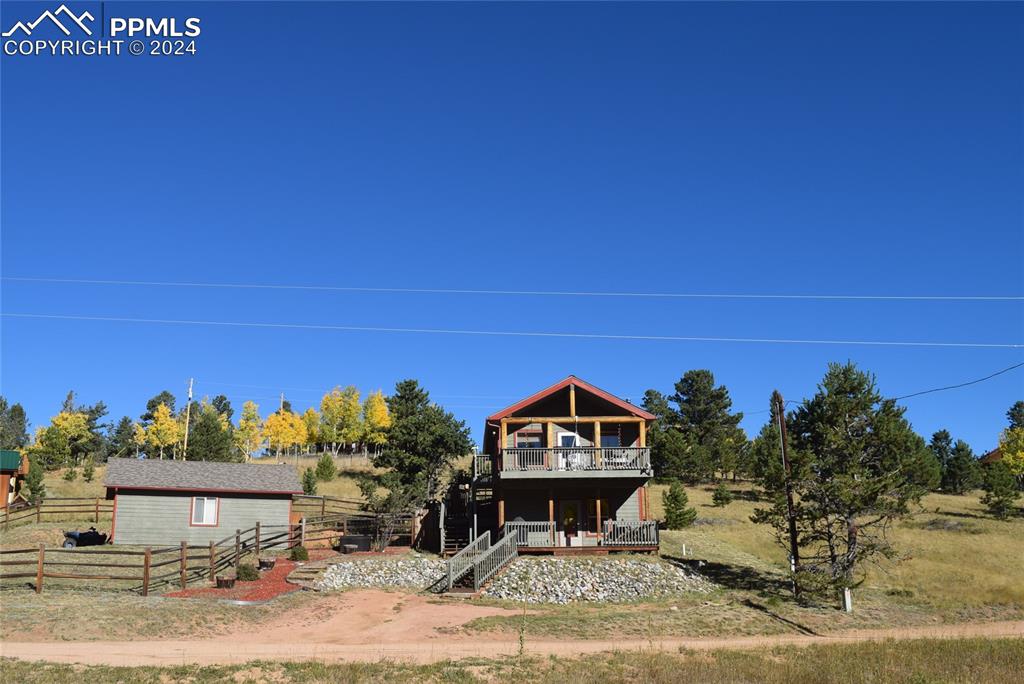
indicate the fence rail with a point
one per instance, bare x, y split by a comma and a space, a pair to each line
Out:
64, 506
494, 559
461, 563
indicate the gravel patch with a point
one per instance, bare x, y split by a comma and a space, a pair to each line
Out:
565, 580
416, 572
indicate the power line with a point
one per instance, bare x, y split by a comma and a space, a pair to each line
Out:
529, 293
962, 384
510, 333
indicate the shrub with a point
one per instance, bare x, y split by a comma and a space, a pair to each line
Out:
246, 572
89, 471
309, 482
721, 496
70, 474
34, 481
298, 553
325, 468
677, 514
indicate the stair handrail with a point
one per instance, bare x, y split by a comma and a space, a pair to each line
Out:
459, 564
494, 559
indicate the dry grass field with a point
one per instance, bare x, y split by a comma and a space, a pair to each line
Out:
995, 661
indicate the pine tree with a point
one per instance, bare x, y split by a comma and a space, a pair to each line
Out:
89, 470
13, 426
34, 481
309, 482
122, 439
675, 501
210, 438
962, 471
325, 468
721, 496
1001, 490
712, 431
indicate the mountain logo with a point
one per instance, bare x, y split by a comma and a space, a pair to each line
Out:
78, 20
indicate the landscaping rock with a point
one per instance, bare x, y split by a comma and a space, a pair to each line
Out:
415, 572
565, 580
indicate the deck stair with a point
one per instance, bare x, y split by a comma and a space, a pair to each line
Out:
478, 562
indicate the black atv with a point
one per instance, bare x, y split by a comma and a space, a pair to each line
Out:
88, 538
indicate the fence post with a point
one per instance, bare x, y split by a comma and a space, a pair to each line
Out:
39, 511
257, 538
302, 531
213, 563
147, 559
7, 516
238, 547
39, 569
323, 506
184, 564
97, 519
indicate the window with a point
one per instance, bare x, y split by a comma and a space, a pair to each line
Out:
610, 439
528, 440
204, 510
568, 439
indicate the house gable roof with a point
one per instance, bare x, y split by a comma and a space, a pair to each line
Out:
209, 476
580, 384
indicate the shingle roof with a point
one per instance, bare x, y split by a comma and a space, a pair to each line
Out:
131, 473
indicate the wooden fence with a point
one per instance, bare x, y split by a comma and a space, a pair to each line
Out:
76, 507
181, 564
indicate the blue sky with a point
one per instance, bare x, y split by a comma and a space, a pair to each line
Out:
870, 149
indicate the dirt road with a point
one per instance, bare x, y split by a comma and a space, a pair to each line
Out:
371, 625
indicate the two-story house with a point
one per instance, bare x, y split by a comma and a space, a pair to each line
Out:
565, 470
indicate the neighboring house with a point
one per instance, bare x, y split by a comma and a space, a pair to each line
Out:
13, 469
566, 470
160, 502
991, 457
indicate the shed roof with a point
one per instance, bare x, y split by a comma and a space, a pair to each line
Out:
210, 476
9, 459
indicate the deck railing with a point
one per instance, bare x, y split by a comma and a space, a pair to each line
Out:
630, 533
531, 533
462, 562
493, 560
569, 459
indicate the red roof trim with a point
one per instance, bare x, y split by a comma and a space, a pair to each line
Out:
586, 386
122, 487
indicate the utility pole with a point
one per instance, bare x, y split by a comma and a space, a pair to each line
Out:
188, 416
280, 407
794, 551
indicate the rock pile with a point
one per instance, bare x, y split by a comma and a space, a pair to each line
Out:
564, 580
415, 572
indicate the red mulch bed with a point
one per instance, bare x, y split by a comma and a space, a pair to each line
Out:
271, 584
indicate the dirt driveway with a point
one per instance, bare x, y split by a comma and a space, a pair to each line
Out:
371, 625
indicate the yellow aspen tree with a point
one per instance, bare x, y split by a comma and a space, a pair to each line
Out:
311, 419
138, 437
351, 416
249, 434
376, 420
284, 429
164, 431
332, 418
1011, 446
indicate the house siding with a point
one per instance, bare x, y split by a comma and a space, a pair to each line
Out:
164, 518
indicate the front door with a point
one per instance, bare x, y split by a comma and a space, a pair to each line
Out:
569, 516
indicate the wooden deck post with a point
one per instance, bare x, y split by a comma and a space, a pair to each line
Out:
572, 400
501, 511
213, 563
597, 506
643, 434
147, 560
597, 443
257, 538
184, 564
550, 443
39, 569
551, 514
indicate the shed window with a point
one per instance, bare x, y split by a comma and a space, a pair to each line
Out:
204, 510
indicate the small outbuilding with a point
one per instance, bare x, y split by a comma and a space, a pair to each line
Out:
159, 502
13, 469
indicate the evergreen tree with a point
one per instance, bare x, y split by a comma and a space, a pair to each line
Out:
721, 496
1001, 490
1016, 415
677, 513
941, 446
309, 482
165, 398
122, 439
89, 470
34, 481
962, 471
856, 466
210, 436
13, 426
325, 468
423, 440
704, 418
222, 405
